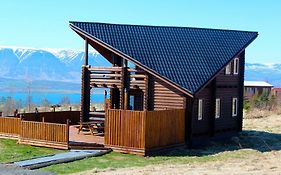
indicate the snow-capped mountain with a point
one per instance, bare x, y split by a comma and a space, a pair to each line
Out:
64, 65
44, 64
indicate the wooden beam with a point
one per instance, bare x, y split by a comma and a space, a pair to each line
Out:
241, 91
85, 94
213, 91
86, 52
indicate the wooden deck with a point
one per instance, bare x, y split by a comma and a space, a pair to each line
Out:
84, 139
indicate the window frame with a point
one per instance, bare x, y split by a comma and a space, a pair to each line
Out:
228, 69
200, 109
236, 66
218, 108
234, 106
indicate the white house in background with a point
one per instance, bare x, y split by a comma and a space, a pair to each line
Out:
256, 87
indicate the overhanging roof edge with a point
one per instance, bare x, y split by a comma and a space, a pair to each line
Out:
127, 57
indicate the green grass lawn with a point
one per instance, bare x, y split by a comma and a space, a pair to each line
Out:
115, 160
254, 140
10, 151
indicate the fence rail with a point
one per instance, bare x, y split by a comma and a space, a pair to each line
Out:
35, 133
10, 127
142, 131
44, 134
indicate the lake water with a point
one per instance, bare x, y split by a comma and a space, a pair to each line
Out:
53, 98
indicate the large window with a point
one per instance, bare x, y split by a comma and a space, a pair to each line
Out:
200, 109
234, 106
236, 66
228, 69
218, 108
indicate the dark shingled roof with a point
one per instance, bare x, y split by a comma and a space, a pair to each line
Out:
189, 57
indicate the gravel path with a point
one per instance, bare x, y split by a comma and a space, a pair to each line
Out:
15, 170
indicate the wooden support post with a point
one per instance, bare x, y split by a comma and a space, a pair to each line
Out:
125, 86
67, 131
86, 52
213, 91
146, 92
188, 121
126, 97
85, 94
241, 91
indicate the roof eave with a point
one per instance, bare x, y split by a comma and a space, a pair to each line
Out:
127, 57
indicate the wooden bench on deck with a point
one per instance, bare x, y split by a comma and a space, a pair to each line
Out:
96, 123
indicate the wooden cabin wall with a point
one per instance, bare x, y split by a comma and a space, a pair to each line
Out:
163, 96
202, 127
224, 87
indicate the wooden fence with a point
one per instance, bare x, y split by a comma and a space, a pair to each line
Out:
53, 117
142, 132
44, 134
9, 126
35, 133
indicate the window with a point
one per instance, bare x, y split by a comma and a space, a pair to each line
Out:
228, 69
236, 66
218, 108
234, 106
200, 109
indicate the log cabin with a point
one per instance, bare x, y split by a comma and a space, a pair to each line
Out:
169, 86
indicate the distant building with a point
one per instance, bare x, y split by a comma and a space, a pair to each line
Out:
276, 92
256, 87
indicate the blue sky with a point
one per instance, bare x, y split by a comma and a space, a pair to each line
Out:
44, 23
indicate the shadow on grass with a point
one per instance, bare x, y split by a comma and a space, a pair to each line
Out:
248, 139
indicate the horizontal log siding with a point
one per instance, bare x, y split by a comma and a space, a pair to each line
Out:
164, 96
139, 131
202, 127
44, 134
10, 127
227, 87
226, 121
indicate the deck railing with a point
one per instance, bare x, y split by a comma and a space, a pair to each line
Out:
44, 134
140, 132
9, 126
35, 133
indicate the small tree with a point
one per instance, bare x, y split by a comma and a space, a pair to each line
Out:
45, 103
9, 106
65, 100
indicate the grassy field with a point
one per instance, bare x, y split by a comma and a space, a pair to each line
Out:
257, 148
260, 137
10, 151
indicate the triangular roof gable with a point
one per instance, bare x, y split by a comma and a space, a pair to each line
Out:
188, 57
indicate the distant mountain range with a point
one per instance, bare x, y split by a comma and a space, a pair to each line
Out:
43, 69
60, 69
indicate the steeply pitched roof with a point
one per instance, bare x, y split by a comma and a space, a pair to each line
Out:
257, 84
189, 57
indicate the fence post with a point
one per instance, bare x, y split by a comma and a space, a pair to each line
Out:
67, 132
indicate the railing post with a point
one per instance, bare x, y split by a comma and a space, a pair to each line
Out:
67, 132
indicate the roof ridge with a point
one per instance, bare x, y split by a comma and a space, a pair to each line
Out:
143, 25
